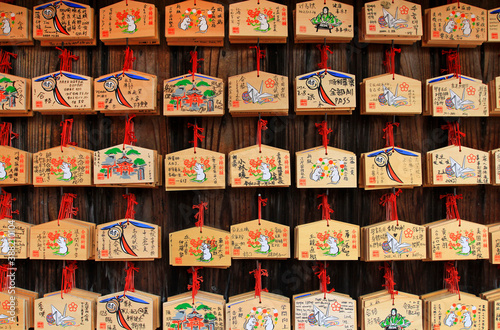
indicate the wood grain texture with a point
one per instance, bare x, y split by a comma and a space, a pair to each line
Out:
291, 206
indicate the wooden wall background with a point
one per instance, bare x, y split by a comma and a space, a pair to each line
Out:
289, 206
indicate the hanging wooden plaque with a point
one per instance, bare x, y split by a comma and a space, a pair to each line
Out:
14, 311
494, 25
327, 240
62, 92
15, 96
384, 21
250, 168
457, 240
251, 94
494, 241
62, 166
206, 312
390, 94
129, 22
15, 167
194, 23
455, 24
323, 21
209, 248
187, 170
128, 239
260, 239
127, 165
126, 92
495, 166
69, 311
335, 169
494, 91
493, 298
67, 22
258, 20
393, 240
390, 167
66, 239
15, 26
457, 166
316, 309
14, 239
201, 96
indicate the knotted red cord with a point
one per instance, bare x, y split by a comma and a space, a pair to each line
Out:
6, 205
389, 281
6, 134
194, 62
452, 279
453, 64
389, 134
262, 202
200, 215
67, 129
66, 58
451, 207
454, 1
67, 211
325, 208
197, 135
323, 130
324, 279
261, 126
6, 273
388, 63
454, 134
129, 59
129, 278
259, 54
391, 206
5, 65
195, 287
68, 278
131, 202
257, 274
324, 50
130, 138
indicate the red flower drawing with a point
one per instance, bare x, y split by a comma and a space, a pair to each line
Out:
404, 10
408, 233
404, 87
72, 307
471, 91
270, 83
471, 158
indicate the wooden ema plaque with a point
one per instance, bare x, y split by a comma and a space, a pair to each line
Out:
389, 94
128, 239
493, 298
70, 240
495, 166
69, 311
15, 26
14, 242
390, 167
449, 96
126, 92
203, 96
14, 311
494, 92
260, 239
494, 241
315, 309
250, 168
335, 169
68, 22
379, 311
208, 248
457, 166
393, 240
327, 240
187, 170
258, 20
129, 310
15, 167
207, 311
129, 22
15, 96
128, 166
62, 92
444, 310
251, 94
245, 311
494, 26
384, 21
325, 91
456, 240
62, 166
195, 23
455, 24
320, 21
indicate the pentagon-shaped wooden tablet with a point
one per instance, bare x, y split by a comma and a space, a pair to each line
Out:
494, 25
66, 311
15, 24
14, 239
15, 167
405, 310
271, 311
14, 311
495, 166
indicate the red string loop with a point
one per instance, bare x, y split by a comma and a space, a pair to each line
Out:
320, 271
68, 278
6, 134
65, 59
391, 206
67, 129
197, 133
451, 207
129, 277
257, 274
389, 134
325, 208
67, 211
262, 202
454, 134
259, 54
5, 65
196, 284
452, 279
6, 273
131, 202
389, 281
129, 59
323, 130
200, 215
194, 62
454, 1
6, 205
453, 64
261, 126
390, 66
324, 50
130, 138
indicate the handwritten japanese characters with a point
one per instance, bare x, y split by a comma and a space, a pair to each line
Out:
317, 21
15, 26
193, 96
194, 23
15, 96
67, 311
493, 299
15, 312
14, 239
494, 25
248, 167
494, 240
495, 166
15, 167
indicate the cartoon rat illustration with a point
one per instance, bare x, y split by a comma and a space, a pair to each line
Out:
334, 175
6, 28
250, 323
63, 248
268, 323
5, 245
200, 174
467, 321
266, 174
316, 174
264, 245
65, 167
3, 173
264, 25
203, 24
467, 30
464, 241
332, 242
207, 255
130, 20
450, 319
184, 25
448, 28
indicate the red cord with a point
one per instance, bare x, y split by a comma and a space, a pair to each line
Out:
6, 134
260, 54
129, 59
200, 215
195, 287
389, 134
452, 279
194, 62
65, 59
67, 210
324, 50
130, 138
391, 206
258, 273
197, 135
323, 130
325, 208
68, 278
129, 277
5, 65
262, 202
261, 126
